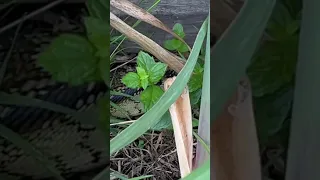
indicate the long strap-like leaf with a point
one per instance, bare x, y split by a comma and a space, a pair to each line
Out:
17, 140
232, 53
304, 146
204, 119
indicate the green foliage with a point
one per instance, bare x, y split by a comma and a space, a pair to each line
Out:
270, 112
195, 82
150, 96
70, 58
145, 61
176, 44
96, 33
274, 63
294, 7
302, 159
152, 117
195, 96
104, 63
195, 85
99, 9
148, 74
282, 23
131, 80
164, 123
77, 60
143, 76
157, 72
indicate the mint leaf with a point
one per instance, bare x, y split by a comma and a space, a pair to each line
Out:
274, 65
195, 96
271, 112
198, 68
144, 83
150, 96
183, 48
178, 29
70, 58
98, 9
172, 44
294, 7
104, 66
281, 23
142, 73
102, 53
145, 61
98, 33
105, 4
131, 80
143, 77
195, 81
157, 72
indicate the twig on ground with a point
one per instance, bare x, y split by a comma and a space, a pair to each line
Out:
32, 14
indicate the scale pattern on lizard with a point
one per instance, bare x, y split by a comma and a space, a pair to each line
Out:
71, 145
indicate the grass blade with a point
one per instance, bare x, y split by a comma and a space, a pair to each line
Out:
17, 140
202, 142
151, 117
105, 174
4, 64
304, 145
201, 173
204, 119
18, 100
141, 177
233, 51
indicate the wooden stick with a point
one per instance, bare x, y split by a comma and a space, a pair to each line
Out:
32, 14
234, 139
182, 125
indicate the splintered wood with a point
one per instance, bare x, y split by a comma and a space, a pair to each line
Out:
181, 116
234, 139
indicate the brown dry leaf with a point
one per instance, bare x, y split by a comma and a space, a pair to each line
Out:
143, 15
173, 61
181, 116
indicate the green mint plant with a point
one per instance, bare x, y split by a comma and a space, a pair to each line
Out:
148, 74
195, 82
75, 59
176, 44
274, 64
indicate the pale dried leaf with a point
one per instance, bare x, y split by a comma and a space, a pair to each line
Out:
182, 125
173, 61
143, 15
